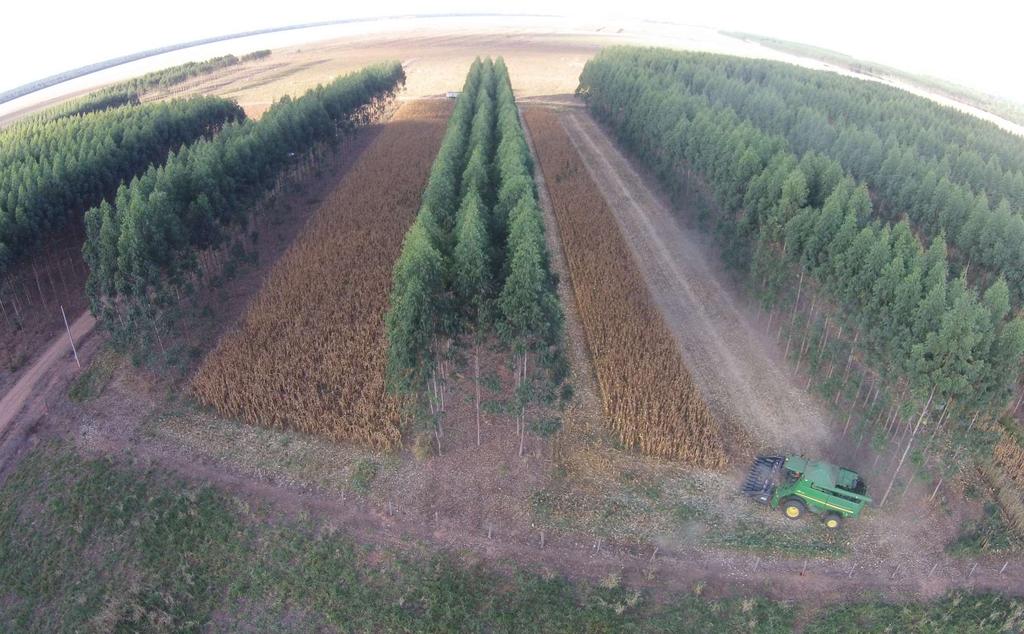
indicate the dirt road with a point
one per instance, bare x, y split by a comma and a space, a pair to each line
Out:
59, 348
741, 377
661, 568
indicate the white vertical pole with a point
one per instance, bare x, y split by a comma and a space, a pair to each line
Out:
70, 338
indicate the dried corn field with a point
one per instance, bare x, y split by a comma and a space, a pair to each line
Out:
1007, 495
646, 390
1009, 456
310, 354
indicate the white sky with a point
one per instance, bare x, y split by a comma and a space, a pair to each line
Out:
978, 43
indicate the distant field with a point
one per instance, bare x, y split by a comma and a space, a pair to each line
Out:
435, 63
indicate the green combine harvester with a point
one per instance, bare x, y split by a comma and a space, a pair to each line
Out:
799, 485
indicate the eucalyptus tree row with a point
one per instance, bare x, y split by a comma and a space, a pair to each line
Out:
167, 77
52, 171
104, 99
950, 174
143, 246
129, 91
474, 263
940, 343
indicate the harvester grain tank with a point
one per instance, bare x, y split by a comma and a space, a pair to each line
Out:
799, 485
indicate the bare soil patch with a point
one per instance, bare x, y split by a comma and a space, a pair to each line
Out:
435, 62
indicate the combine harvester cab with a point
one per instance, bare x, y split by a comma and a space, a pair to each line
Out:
799, 485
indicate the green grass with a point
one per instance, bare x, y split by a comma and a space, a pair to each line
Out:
90, 383
957, 613
363, 476
88, 545
809, 540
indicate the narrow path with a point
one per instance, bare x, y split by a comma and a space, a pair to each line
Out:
738, 373
59, 348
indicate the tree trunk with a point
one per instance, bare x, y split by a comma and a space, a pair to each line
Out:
824, 339
849, 358
943, 417
39, 286
476, 376
53, 287
807, 333
522, 411
892, 425
1017, 406
973, 420
63, 281
14, 301
792, 319
924, 412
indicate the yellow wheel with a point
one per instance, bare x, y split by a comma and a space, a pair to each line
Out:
831, 520
793, 509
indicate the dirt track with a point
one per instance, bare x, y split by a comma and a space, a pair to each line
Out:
661, 569
743, 380
13, 402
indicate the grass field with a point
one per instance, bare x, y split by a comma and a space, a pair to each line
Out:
89, 545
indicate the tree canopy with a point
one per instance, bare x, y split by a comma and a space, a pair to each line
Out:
51, 171
823, 173
480, 212
143, 244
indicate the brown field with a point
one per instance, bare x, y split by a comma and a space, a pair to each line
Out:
435, 62
646, 390
1010, 456
310, 354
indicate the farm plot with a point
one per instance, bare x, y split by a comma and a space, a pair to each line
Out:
646, 390
311, 352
